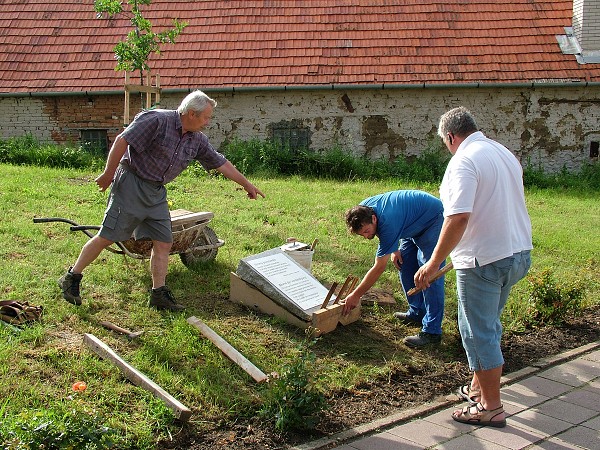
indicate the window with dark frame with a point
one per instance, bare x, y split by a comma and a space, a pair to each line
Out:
95, 140
291, 135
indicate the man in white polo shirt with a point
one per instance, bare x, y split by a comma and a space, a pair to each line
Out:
487, 233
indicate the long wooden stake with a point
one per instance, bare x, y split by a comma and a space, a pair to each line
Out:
136, 377
447, 268
229, 351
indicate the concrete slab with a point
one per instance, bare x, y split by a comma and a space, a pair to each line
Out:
574, 373
518, 394
533, 420
384, 441
468, 441
554, 444
580, 397
544, 386
509, 436
566, 411
581, 436
423, 433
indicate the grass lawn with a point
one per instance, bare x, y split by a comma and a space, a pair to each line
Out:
43, 361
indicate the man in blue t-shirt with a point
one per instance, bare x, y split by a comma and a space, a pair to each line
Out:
408, 224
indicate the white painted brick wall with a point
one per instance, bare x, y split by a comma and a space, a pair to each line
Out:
550, 127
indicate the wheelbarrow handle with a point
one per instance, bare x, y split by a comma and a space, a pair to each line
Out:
84, 227
53, 219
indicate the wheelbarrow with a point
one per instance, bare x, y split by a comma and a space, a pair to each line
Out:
193, 240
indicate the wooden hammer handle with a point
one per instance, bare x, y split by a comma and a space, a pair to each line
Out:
112, 326
440, 273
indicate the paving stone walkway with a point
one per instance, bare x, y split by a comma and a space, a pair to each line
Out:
554, 404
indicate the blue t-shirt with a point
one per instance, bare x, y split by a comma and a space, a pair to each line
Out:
402, 215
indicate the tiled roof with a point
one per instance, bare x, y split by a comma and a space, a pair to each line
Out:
61, 46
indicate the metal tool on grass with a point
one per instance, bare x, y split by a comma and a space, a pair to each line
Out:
447, 268
118, 329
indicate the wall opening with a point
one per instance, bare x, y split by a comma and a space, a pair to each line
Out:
594, 147
95, 141
291, 135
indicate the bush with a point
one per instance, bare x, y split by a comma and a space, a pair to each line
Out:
552, 302
51, 429
293, 400
26, 150
255, 156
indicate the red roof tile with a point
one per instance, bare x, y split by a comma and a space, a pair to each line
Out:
61, 46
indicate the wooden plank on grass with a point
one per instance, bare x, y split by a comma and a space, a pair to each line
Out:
229, 351
136, 377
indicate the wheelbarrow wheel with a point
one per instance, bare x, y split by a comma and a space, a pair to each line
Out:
194, 258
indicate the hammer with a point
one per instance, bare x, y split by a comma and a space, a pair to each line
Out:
129, 334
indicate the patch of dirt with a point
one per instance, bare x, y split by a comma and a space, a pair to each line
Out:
399, 391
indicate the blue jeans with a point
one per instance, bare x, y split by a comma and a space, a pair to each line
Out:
426, 306
482, 295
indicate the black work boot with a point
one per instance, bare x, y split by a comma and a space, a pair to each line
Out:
162, 298
404, 318
422, 339
69, 284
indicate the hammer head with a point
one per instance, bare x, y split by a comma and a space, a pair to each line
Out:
135, 335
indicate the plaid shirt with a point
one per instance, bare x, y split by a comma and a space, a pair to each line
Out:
157, 151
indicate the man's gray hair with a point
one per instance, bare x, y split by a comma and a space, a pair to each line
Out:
458, 121
196, 101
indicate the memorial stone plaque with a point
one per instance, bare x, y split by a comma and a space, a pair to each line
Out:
284, 281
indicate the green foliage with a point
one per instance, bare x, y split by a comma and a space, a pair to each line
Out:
26, 150
552, 302
587, 178
133, 53
255, 157
50, 429
293, 400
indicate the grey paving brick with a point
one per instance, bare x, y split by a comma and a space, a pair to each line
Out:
592, 356
533, 420
511, 408
581, 436
593, 423
544, 386
574, 373
568, 412
581, 397
592, 386
469, 442
554, 444
384, 441
518, 394
509, 436
424, 433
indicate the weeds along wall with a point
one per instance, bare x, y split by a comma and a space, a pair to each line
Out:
549, 126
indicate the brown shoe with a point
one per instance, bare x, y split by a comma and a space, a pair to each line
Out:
162, 299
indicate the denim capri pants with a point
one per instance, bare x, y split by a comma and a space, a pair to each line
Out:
482, 295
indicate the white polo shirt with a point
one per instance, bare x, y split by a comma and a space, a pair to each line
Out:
485, 179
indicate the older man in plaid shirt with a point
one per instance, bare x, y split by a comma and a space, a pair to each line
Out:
152, 151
